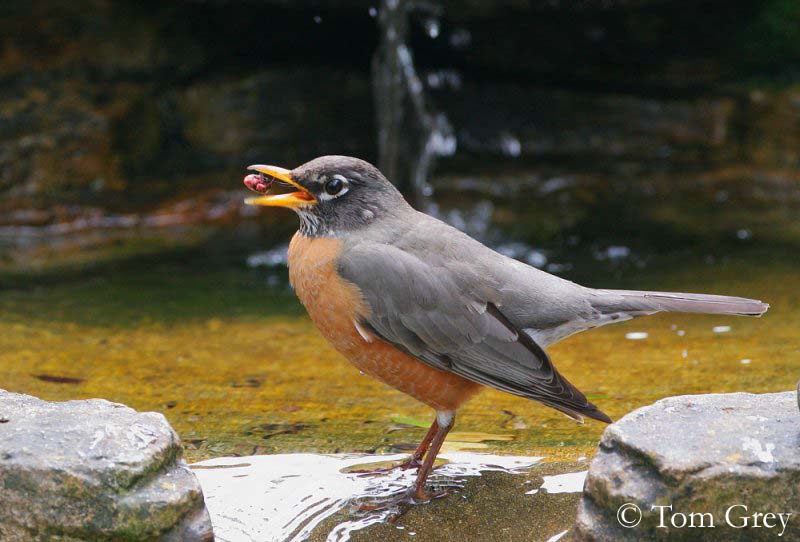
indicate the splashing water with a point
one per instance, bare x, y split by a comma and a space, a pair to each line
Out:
285, 497
411, 134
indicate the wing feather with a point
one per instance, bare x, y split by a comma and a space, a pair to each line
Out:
431, 313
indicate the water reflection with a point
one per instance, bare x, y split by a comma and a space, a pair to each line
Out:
287, 497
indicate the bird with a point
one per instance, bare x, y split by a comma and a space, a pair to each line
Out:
432, 312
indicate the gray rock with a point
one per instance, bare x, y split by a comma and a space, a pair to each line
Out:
93, 470
708, 454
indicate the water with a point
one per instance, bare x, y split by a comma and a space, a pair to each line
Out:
218, 343
233, 362
571, 482
287, 497
227, 353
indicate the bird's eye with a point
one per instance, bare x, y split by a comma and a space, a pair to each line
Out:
334, 186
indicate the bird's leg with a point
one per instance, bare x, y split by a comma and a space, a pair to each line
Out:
422, 449
414, 460
429, 449
444, 422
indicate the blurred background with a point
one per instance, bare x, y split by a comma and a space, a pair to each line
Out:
639, 144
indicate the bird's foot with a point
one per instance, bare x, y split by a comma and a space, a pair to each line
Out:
412, 497
422, 495
400, 503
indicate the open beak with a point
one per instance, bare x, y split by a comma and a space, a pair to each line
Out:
292, 199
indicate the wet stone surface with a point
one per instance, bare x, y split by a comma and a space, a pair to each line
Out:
94, 470
733, 457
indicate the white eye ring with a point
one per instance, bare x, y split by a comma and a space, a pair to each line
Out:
336, 181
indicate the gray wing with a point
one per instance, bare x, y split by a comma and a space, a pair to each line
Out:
449, 318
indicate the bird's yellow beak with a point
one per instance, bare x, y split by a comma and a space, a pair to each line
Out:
291, 200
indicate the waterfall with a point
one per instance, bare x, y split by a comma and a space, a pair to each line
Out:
411, 133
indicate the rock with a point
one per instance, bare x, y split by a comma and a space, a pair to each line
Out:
539, 122
704, 454
234, 121
94, 470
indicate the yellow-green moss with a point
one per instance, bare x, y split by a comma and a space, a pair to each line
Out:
238, 368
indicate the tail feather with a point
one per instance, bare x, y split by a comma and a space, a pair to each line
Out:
633, 302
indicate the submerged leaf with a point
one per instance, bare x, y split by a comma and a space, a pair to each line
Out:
58, 379
466, 436
412, 422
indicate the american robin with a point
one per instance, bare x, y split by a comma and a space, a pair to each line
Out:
432, 312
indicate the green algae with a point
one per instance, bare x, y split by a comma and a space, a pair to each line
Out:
238, 368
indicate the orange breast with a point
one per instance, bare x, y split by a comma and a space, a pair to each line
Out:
335, 305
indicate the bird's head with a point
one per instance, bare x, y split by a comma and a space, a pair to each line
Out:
331, 194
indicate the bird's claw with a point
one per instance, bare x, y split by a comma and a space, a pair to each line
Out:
412, 497
421, 495
400, 503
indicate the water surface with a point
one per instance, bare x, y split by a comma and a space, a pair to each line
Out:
291, 497
227, 354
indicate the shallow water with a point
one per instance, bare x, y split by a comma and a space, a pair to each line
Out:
227, 354
289, 497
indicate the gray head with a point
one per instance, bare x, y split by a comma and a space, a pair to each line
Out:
337, 194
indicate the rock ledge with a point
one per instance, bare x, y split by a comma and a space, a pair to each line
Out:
701, 454
94, 470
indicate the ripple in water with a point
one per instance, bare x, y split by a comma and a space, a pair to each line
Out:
277, 498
